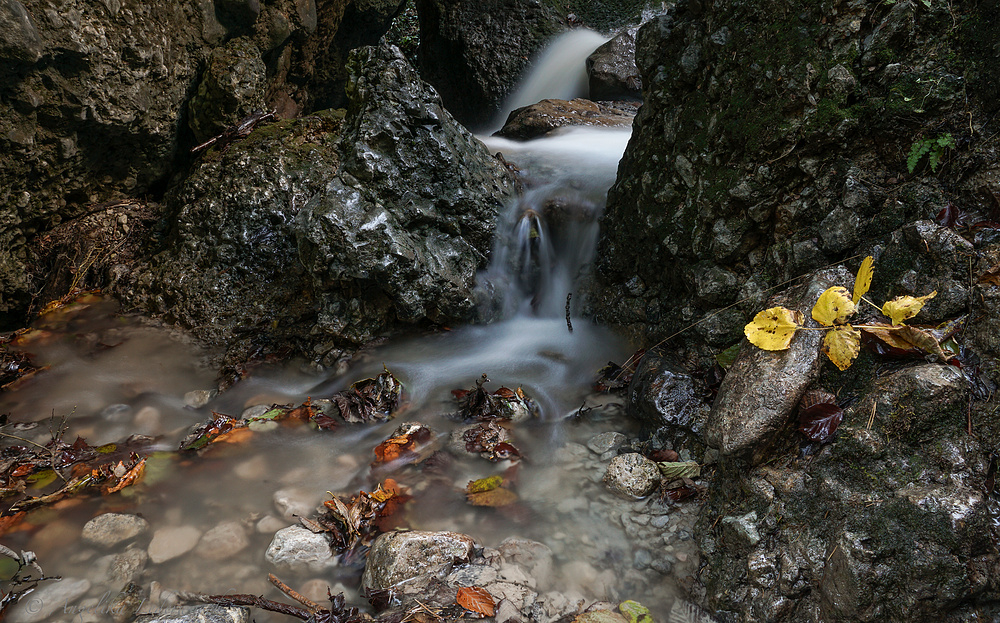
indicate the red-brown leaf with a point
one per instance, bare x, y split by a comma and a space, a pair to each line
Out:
820, 421
476, 599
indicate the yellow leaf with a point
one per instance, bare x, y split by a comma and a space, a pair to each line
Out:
864, 279
772, 329
833, 307
903, 307
841, 345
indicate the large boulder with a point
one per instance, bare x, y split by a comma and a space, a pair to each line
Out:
538, 119
769, 147
612, 71
338, 227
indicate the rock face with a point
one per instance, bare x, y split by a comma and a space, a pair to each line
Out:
547, 115
337, 228
663, 396
760, 155
103, 103
612, 70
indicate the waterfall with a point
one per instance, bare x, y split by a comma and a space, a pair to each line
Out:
559, 71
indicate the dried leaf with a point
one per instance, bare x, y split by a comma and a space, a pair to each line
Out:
833, 307
664, 455
369, 399
819, 421
863, 281
904, 307
130, 477
682, 469
991, 276
885, 340
476, 599
678, 494
772, 329
841, 345
924, 341
494, 497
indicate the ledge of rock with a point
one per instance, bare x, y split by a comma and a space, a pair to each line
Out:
547, 115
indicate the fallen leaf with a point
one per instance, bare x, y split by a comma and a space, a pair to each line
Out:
635, 612
494, 497
772, 329
484, 484
665, 456
476, 599
682, 469
841, 345
833, 307
679, 494
369, 399
863, 281
727, 357
904, 307
819, 421
991, 276
924, 341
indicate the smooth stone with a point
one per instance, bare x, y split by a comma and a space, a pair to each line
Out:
110, 529
48, 599
199, 398
294, 502
252, 469
269, 524
606, 442
299, 548
172, 542
223, 541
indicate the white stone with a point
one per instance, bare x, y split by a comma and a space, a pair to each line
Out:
269, 524
172, 542
294, 502
299, 548
111, 529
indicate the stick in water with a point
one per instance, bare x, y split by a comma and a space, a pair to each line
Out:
569, 324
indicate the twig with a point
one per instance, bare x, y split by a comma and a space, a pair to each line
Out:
569, 323
871, 420
249, 600
284, 588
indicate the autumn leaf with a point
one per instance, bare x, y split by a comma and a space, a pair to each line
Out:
476, 599
863, 281
904, 307
772, 329
130, 477
819, 421
600, 616
484, 484
841, 345
924, 341
635, 612
834, 307
493, 497
681, 469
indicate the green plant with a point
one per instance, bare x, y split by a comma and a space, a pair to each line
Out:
933, 148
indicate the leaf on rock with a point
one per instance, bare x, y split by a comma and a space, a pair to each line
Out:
207, 433
819, 421
728, 357
680, 469
484, 484
491, 439
355, 524
991, 276
772, 329
635, 612
923, 340
833, 307
493, 497
504, 403
131, 475
476, 599
904, 307
410, 443
369, 399
679, 493
841, 345
863, 280
613, 377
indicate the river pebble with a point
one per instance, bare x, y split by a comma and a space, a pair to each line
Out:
47, 599
294, 501
606, 442
632, 475
269, 524
119, 569
223, 541
110, 529
299, 548
172, 542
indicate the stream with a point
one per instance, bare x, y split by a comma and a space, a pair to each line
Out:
109, 377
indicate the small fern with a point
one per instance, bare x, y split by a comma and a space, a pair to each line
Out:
933, 148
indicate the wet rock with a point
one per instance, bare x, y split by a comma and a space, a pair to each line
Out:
270, 524
295, 502
169, 543
662, 395
606, 442
762, 387
346, 192
119, 569
231, 88
741, 531
632, 475
549, 114
612, 70
47, 599
399, 556
199, 614
299, 548
19, 39
198, 398
223, 541
110, 529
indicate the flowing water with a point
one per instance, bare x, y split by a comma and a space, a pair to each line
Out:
111, 377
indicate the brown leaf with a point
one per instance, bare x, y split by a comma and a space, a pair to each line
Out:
991, 277
494, 497
130, 477
819, 421
476, 599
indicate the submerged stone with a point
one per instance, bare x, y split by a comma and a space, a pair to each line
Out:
110, 529
399, 556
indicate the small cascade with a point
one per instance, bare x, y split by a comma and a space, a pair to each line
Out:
559, 72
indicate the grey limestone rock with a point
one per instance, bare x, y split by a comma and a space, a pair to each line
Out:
399, 556
632, 475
